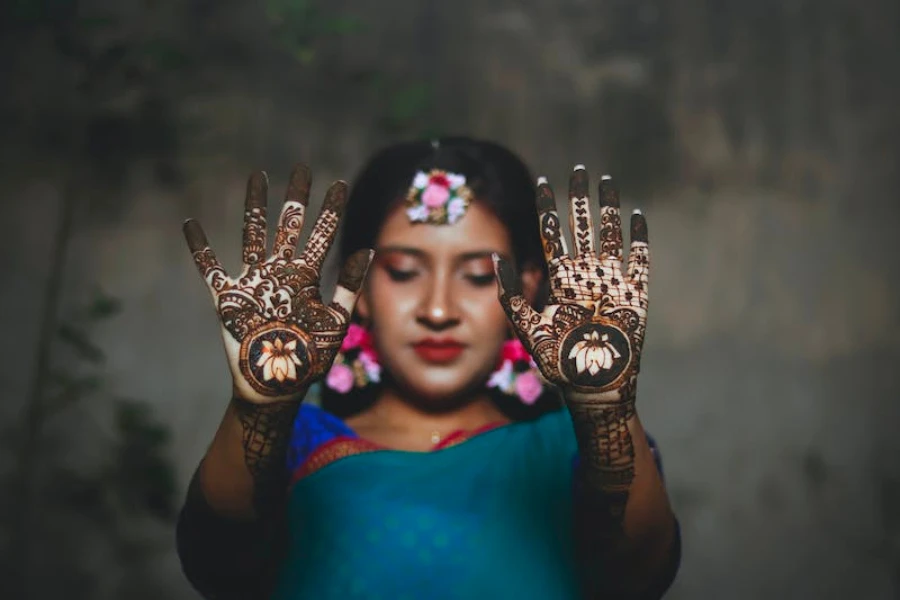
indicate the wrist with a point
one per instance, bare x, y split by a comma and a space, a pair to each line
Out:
600, 399
245, 394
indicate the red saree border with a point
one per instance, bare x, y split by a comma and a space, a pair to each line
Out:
345, 446
332, 451
461, 435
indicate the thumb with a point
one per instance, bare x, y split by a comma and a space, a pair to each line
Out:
350, 281
520, 313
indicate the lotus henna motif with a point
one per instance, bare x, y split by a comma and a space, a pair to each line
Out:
594, 353
279, 360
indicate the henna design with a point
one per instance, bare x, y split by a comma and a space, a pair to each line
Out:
290, 223
639, 257
291, 220
588, 339
608, 452
280, 336
610, 221
265, 436
274, 357
551, 229
325, 229
595, 355
254, 248
354, 271
580, 221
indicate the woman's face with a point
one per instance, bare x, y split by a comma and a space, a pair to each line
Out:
431, 302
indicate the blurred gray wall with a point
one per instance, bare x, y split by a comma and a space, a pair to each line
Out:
760, 141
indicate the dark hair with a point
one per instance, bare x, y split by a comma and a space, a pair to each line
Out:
498, 179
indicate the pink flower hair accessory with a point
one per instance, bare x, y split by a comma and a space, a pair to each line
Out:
437, 197
517, 373
356, 363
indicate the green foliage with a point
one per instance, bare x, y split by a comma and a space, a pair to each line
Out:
140, 471
138, 477
408, 104
299, 24
134, 481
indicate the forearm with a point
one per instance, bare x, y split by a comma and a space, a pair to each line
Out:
229, 530
243, 474
223, 557
625, 521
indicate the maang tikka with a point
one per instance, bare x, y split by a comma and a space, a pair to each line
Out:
437, 197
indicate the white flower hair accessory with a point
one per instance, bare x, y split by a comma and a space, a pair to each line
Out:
437, 197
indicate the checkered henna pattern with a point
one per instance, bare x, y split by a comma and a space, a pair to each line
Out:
589, 337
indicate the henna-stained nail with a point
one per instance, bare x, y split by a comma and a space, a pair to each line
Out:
193, 234
509, 279
609, 195
298, 188
354, 271
638, 227
257, 188
578, 182
336, 198
545, 199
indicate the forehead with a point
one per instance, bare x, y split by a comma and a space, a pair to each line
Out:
479, 229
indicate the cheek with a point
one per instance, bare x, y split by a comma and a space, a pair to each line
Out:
487, 314
389, 303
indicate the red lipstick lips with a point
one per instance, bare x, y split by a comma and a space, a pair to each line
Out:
438, 351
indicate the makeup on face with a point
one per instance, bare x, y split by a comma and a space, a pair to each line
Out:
404, 264
431, 296
439, 350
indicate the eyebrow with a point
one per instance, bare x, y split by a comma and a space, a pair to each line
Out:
419, 253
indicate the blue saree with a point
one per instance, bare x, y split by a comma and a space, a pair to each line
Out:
489, 515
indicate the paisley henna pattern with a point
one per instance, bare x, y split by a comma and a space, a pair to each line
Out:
291, 221
279, 335
254, 248
588, 339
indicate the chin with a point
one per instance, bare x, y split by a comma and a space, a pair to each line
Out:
439, 394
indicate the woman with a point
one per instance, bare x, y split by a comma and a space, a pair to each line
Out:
468, 448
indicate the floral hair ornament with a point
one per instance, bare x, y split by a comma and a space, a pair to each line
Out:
437, 197
517, 373
356, 364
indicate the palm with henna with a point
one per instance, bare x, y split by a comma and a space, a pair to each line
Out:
279, 334
588, 338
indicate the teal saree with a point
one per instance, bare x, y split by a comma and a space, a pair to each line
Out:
487, 517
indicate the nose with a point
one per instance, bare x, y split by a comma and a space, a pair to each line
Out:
438, 310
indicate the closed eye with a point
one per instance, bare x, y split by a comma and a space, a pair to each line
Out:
399, 275
481, 280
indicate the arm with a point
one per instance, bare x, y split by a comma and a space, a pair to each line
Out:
279, 338
588, 341
627, 536
230, 531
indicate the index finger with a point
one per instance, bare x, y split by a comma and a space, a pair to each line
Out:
210, 269
325, 229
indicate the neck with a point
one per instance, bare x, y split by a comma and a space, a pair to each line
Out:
392, 410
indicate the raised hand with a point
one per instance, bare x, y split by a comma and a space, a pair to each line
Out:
279, 335
588, 339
